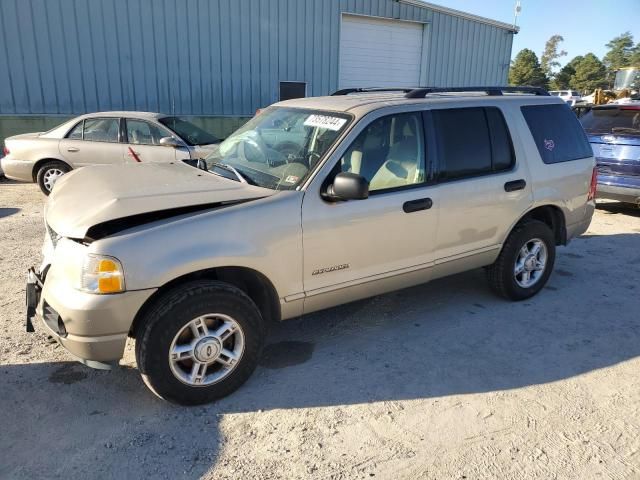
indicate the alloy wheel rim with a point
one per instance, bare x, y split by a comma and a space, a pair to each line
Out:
51, 176
530, 263
206, 349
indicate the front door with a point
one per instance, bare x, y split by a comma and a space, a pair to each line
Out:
359, 248
93, 141
142, 143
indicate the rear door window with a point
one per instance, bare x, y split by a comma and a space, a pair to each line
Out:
612, 121
557, 133
471, 142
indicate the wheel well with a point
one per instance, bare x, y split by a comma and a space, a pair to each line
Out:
553, 217
39, 163
253, 283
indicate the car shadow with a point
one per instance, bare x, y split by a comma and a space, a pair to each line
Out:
449, 337
7, 212
619, 208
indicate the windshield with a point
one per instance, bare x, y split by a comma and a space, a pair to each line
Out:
612, 121
188, 132
278, 148
627, 78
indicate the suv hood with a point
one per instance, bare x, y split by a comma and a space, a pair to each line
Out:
143, 192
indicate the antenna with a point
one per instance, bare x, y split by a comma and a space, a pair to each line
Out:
516, 13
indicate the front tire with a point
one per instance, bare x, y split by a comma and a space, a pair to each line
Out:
525, 262
48, 174
199, 342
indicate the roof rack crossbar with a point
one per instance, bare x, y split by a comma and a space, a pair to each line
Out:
347, 91
491, 91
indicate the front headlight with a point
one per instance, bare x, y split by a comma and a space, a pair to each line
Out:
102, 274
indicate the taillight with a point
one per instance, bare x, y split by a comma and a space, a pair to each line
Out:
594, 184
5, 150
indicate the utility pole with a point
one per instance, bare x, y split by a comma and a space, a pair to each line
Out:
516, 13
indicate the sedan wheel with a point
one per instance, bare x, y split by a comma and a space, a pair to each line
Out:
49, 173
50, 177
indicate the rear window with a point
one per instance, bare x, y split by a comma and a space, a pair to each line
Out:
612, 121
557, 133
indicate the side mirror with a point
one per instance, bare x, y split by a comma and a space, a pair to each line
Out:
202, 164
348, 186
170, 142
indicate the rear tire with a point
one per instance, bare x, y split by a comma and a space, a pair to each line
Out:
177, 337
525, 262
48, 174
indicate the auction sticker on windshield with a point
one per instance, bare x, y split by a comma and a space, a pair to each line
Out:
325, 121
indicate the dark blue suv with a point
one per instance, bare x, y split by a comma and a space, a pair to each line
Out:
614, 134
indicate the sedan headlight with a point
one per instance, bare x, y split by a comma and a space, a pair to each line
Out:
102, 274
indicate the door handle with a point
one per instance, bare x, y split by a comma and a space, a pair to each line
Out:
515, 185
416, 205
73, 149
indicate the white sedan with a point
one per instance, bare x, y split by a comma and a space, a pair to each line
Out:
102, 138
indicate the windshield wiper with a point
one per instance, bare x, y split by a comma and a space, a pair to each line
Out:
229, 168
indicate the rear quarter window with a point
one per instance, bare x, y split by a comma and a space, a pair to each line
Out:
557, 133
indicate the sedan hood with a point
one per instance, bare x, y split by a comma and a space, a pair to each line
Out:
100, 195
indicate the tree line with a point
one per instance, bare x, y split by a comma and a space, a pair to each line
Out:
584, 73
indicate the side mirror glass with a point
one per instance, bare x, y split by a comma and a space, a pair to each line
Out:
348, 186
170, 142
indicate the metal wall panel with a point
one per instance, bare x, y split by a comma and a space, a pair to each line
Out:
208, 57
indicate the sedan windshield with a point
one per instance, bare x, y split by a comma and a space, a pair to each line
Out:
188, 132
278, 148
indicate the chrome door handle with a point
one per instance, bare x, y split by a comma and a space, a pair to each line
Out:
73, 149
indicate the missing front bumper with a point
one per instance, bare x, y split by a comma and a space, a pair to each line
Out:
33, 290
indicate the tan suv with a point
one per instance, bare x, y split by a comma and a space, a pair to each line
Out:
313, 203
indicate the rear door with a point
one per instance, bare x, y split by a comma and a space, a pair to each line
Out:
142, 143
93, 141
481, 188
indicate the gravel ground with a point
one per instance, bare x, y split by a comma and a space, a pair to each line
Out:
439, 381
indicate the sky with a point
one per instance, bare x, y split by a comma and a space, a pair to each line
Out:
586, 25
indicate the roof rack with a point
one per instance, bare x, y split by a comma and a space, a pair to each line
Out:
347, 91
491, 91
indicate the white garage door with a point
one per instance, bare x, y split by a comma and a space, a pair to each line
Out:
379, 53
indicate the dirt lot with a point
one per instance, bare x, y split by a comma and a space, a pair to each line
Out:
438, 381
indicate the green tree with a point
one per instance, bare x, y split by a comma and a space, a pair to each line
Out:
525, 70
634, 59
550, 56
562, 80
590, 73
620, 52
